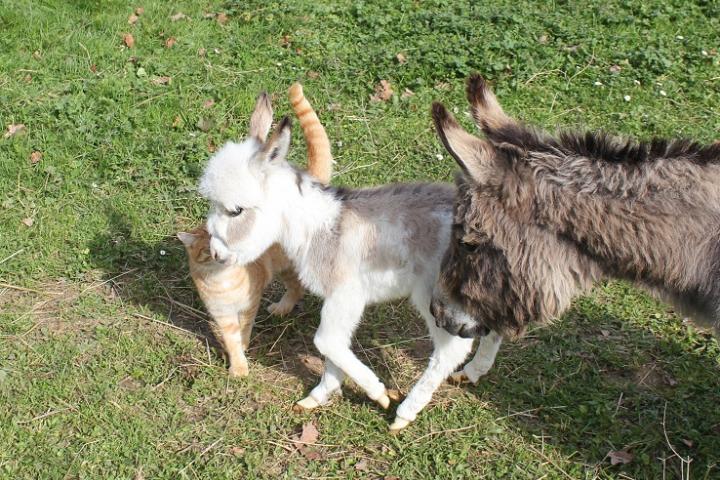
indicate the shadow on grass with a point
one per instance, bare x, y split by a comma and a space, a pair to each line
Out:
599, 381
154, 276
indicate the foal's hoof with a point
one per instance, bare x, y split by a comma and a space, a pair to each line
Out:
307, 403
398, 425
384, 400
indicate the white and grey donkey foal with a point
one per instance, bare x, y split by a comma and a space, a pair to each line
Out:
351, 247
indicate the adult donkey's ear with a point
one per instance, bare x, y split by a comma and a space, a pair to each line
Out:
261, 118
475, 156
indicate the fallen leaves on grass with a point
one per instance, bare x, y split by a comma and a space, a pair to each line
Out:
178, 16
170, 42
222, 18
312, 74
401, 59
35, 157
139, 11
202, 52
407, 93
93, 68
177, 122
129, 40
14, 129
28, 222
132, 19
615, 69
362, 465
161, 80
237, 451
208, 103
620, 457
383, 92
308, 436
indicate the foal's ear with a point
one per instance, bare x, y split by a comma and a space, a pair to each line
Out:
261, 118
475, 156
277, 146
187, 238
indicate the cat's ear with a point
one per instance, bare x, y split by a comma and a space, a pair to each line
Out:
277, 146
187, 238
261, 118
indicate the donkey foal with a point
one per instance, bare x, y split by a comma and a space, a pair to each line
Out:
351, 247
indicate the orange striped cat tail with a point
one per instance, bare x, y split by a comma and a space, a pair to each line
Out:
319, 162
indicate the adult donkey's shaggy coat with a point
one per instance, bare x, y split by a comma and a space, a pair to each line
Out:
539, 218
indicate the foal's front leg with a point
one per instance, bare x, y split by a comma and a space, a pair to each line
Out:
340, 316
483, 360
449, 352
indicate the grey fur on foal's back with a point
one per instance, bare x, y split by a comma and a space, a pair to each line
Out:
569, 209
416, 213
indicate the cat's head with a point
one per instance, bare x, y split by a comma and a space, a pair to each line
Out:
197, 246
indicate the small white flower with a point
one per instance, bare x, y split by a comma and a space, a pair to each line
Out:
663, 93
598, 84
339, 143
627, 98
279, 64
704, 52
439, 156
637, 82
163, 253
680, 37
455, 110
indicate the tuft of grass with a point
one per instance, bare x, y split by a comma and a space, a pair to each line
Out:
106, 365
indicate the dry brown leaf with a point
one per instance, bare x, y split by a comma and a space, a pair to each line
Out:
129, 40
208, 103
309, 434
37, 55
35, 157
28, 222
170, 42
177, 122
688, 443
407, 93
362, 465
615, 69
211, 147
210, 15
132, 19
311, 454
14, 129
443, 86
237, 451
139, 11
139, 475
93, 68
178, 16
202, 52
383, 92
222, 18
401, 59
542, 39
313, 74
161, 80
619, 457
27, 78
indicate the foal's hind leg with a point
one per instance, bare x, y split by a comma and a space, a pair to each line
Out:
483, 360
340, 316
449, 352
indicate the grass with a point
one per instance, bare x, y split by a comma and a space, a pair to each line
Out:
106, 369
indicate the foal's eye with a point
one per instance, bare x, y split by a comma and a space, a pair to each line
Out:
236, 212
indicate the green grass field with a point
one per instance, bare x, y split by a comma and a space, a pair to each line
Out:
106, 366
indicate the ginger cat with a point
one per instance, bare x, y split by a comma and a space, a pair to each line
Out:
232, 293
